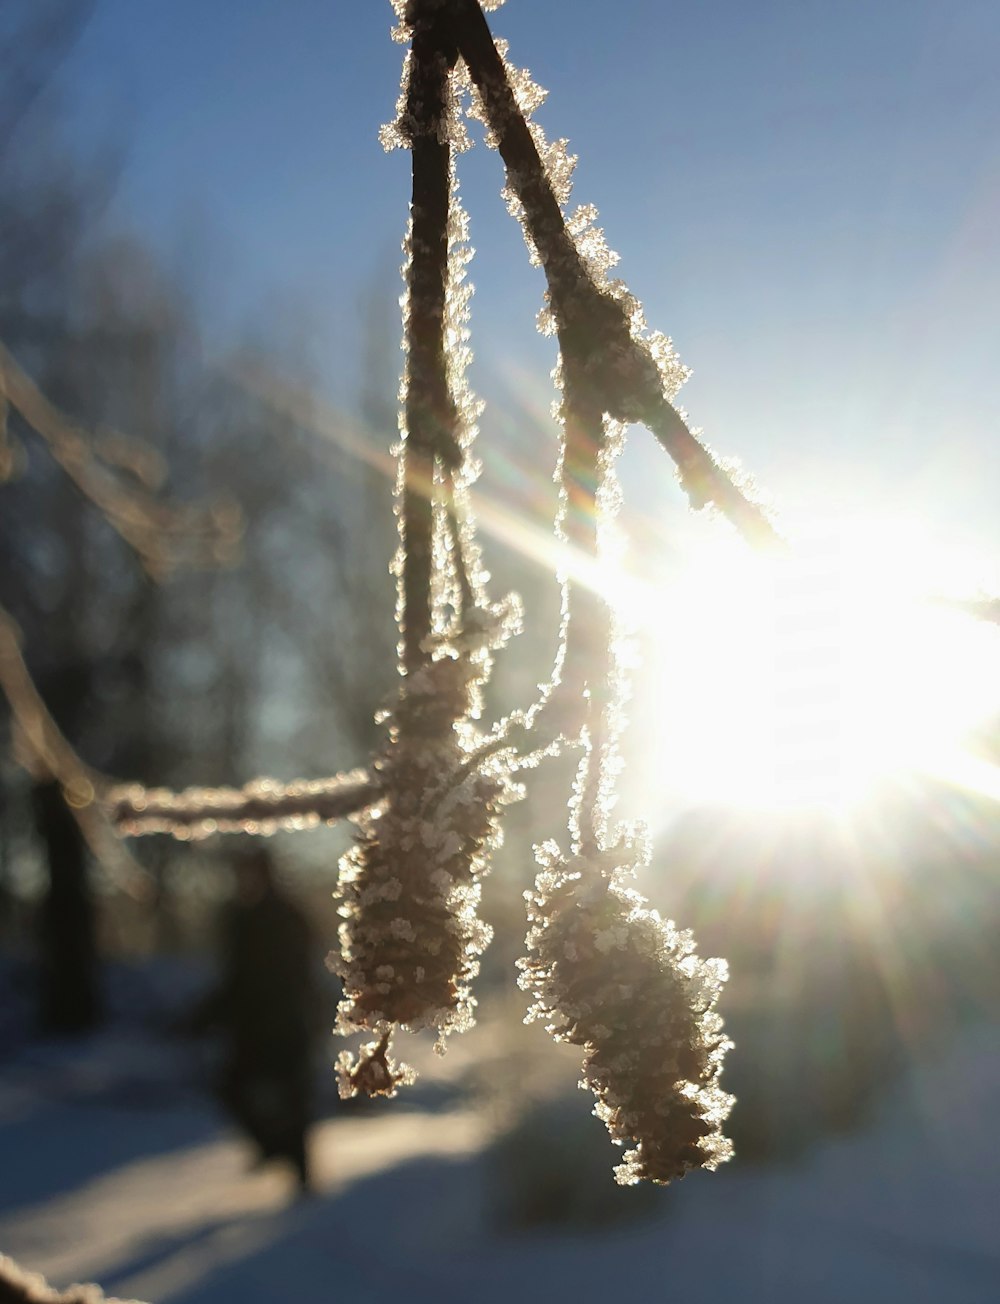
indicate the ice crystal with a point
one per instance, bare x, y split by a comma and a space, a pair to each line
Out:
372, 1072
609, 975
450, 125
410, 887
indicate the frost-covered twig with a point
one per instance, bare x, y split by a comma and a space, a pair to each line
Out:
263, 806
592, 316
410, 887
589, 663
20, 1287
609, 975
430, 413
606, 973
102, 807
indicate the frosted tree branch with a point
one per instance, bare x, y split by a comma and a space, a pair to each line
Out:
590, 321
263, 806
430, 409
104, 808
20, 1287
410, 887
606, 972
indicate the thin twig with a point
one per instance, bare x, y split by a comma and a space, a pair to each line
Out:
103, 807
20, 1287
263, 806
456, 530
589, 663
592, 324
431, 417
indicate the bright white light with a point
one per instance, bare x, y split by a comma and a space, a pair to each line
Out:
806, 678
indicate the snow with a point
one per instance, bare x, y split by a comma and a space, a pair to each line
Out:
115, 1167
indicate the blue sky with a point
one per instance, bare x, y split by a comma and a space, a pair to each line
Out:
805, 195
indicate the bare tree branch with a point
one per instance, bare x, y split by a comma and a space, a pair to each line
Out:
164, 535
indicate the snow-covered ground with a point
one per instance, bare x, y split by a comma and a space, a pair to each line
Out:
115, 1167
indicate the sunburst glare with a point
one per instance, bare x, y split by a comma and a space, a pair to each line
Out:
806, 678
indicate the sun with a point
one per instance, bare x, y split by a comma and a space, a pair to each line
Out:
805, 679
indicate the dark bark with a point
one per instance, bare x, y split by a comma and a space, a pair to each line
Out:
430, 409
70, 995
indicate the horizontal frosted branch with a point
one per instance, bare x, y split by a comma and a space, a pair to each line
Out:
263, 806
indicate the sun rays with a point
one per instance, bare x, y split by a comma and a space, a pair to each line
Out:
806, 678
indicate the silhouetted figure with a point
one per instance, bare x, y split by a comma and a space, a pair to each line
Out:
266, 1004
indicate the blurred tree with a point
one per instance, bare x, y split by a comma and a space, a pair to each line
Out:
178, 683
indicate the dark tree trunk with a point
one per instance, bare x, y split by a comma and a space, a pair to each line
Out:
70, 995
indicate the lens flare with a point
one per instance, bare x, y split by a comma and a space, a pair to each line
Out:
802, 680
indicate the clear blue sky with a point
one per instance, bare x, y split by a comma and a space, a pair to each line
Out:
805, 194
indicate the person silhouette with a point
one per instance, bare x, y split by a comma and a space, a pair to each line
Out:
266, 1005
